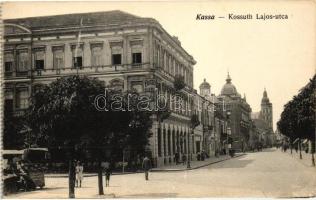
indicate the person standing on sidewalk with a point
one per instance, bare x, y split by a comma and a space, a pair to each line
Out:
184, 159
108, 173
79, 174
146, 166
176, 158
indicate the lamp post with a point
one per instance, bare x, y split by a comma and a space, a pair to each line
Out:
229, 145
188, 152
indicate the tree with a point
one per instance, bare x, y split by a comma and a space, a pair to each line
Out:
13, 136
64, 112
61, 113
298, 117
179, 83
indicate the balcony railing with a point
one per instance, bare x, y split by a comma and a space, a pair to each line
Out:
19, 112
80, 70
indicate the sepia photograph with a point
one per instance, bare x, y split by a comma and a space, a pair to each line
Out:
158, 99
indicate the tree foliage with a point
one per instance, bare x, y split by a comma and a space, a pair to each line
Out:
13, 134
63, 114
298, 117
179, 83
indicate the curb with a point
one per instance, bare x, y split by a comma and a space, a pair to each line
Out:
154, 170
197, 167
88, 175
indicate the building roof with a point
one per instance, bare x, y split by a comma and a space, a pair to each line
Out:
103, 19
65, 20
229, 89
265, 99
205, 85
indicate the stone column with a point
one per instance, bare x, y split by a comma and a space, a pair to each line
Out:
167, 142
172, 145
86, 54
49, 57
68, 56
163, 135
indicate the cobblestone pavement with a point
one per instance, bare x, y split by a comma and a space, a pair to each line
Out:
270, 173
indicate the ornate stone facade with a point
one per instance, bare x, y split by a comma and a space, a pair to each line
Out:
125, 51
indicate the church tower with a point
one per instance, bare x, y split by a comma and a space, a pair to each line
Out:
266, 110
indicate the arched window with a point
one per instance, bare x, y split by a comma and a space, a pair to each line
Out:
117, 84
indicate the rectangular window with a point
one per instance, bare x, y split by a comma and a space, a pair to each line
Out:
77, 55
77, 62
39, 64
58, 59
22, 61
22, 101
39, 59
8, 66
137, 58
8, 105
96, 56
158, 56
116, 59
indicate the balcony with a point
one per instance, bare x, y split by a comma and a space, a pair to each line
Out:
102, 69
19, 112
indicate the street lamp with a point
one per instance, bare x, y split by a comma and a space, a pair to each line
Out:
189, 152
229, 145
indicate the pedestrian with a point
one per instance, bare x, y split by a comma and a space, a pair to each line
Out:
146, 166
176, 157
198, 156
79, 174
184, 158
108, 173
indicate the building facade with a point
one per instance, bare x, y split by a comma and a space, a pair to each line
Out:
266, 113
216, 140
124, 51
264, 121
240, 111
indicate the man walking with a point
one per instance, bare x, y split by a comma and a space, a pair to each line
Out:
146, 166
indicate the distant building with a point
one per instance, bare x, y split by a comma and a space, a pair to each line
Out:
263, 121
239, 121
255, 115
266, 113
265, 134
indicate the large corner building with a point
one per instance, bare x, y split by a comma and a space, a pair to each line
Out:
125, 51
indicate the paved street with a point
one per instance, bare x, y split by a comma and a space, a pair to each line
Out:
270, 173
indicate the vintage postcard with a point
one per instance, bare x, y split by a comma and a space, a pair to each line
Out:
158, 99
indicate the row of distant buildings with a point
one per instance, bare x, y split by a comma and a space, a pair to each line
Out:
128, 52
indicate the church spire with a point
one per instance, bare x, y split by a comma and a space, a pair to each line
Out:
228, 79
265, 95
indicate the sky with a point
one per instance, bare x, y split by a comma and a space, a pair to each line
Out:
278, 55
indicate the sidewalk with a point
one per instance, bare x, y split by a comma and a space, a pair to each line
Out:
306, 157
168, 168
195, 164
